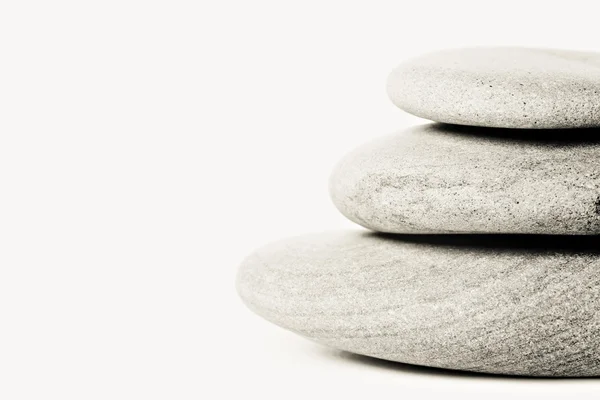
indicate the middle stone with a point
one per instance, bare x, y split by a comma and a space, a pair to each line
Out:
450, 179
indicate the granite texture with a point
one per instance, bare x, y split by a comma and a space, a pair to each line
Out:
501, 87
440, 178
518, 305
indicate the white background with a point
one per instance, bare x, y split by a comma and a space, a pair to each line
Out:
146, 147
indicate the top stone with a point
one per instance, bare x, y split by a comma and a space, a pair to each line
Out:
501, 87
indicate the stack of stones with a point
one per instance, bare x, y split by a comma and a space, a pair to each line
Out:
481, 254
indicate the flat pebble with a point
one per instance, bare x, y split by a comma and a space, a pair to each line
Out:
518, 305
501, 87
440, 178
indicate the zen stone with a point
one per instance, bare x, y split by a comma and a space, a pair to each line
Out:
501, 87
518, 305
450, 179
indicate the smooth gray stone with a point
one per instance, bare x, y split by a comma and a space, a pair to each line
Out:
450, 179
501, 87
518, 305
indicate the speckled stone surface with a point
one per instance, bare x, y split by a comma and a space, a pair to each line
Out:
518, 305
501, 87
440, 178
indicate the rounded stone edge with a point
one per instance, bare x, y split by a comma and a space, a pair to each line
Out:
253, 261
406, 75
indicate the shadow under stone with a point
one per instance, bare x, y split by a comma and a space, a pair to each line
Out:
433, 371
587, 244
559, 137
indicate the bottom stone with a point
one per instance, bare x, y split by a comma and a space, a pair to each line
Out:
518, 305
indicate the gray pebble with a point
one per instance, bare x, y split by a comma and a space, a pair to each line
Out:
519, 305
450, 179
501, 87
